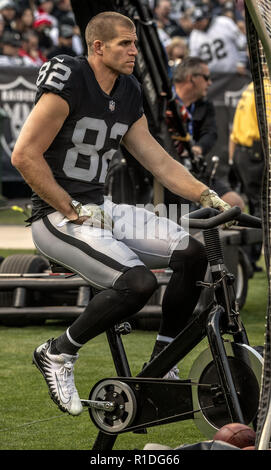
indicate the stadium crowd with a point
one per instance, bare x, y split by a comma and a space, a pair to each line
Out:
33, 31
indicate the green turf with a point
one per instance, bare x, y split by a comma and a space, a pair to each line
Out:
12, 217
8, 252
30, 420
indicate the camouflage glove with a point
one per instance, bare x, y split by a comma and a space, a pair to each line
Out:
96, 217
209, 198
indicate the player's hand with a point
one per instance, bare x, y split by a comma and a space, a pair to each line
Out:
96, 217
78, 221
91, 215
197, 150
210, 198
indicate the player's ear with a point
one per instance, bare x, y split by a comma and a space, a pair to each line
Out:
98, 47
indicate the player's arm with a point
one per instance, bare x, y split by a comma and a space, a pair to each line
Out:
232, 146
43, 124
174, 176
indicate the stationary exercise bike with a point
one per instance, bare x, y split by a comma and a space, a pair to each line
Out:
224, 381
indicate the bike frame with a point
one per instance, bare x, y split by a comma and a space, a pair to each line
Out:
213, 322
219, 318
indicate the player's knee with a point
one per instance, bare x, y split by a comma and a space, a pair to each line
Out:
138, 283
193, 254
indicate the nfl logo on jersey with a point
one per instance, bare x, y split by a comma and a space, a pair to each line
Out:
112, 105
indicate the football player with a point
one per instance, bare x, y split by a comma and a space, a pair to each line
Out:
84, 107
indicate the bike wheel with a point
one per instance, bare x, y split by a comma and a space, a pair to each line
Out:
246, 368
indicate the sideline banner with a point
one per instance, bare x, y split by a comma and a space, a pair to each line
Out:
17, 94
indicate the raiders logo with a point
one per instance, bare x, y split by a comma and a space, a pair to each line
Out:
16, 99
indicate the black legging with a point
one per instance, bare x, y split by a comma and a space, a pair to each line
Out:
133, 289
182, 293
130, 293
250, 172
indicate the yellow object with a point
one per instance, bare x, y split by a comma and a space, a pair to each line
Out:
187, 138
17, 208
245, 129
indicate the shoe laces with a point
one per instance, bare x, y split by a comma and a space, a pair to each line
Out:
66, 373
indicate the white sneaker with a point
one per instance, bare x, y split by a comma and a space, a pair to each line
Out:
173, 374
57, 369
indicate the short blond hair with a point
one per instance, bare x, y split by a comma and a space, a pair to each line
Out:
103, 27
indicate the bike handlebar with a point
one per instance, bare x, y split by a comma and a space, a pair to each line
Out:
208, 217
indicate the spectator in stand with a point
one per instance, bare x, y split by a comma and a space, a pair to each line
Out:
180, 7
30, 49
64, 42
24, 21
46, 6
229, 10
240, 7
166, 23
8, 11
177, 50
11, 43
62, 10
218, 41
229, 7
185, 21
42, 25
45, 10
77, 44
233, 13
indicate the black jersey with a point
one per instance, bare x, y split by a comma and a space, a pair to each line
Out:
90, 136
